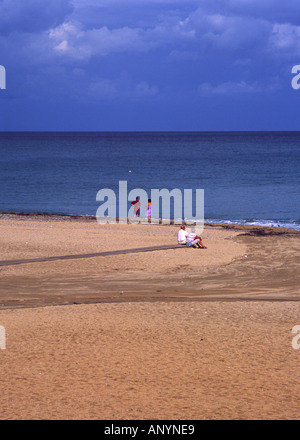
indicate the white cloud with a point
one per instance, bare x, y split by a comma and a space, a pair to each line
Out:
63, 46
216, 31
270, 10
124, 87
286, 36
233, 88
79, 43
227, 88
143, 89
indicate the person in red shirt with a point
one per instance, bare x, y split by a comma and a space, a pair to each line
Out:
136, 206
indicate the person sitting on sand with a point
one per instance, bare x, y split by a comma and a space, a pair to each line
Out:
195, 241
182, 234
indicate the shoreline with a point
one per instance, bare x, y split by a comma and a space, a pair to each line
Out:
253, 229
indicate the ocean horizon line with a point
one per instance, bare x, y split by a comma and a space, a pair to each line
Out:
150, 131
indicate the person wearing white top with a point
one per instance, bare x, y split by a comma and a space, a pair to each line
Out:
182, 234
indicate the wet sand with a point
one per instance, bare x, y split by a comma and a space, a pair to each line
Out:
168, 334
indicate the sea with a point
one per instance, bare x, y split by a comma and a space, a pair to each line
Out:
247, 177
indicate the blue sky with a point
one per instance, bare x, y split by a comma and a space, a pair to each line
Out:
149, 65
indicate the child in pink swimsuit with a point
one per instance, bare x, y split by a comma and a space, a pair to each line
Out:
148, 211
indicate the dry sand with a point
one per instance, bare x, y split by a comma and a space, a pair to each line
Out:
170, 334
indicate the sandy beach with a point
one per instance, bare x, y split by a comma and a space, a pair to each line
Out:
118, 332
